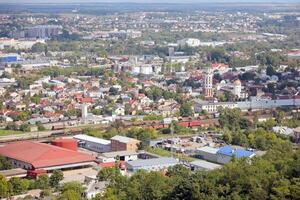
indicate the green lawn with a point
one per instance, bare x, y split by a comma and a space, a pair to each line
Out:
9, 132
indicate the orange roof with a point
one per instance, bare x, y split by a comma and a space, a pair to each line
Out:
111, 164
41, 155
85, 100
51, 114
3, 111
140, 95
56, 88
219, 65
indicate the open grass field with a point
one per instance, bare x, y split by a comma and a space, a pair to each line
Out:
9, 132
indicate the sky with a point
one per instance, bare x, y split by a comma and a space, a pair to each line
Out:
143, 1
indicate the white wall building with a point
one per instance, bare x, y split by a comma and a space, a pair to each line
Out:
212, 107
118, 155
92, 143
154, 164
191, 42
254, 103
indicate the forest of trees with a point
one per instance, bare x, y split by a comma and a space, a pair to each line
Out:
276, 175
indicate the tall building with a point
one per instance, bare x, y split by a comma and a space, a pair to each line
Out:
208, 83
43, 31
237, 88
84, 112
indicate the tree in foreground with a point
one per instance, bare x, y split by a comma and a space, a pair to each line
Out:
5, 187
55, 178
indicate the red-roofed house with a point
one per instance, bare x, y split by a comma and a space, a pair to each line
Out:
85, 100
221, 67
33, 155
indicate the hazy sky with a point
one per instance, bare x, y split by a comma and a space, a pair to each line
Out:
141, 1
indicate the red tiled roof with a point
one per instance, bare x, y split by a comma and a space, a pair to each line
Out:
86, 100
140, 95
12, 113
111, 164
56, 88
219, 65
52, 114
132, 101
41, 155
3, 111
297, 96
44, 102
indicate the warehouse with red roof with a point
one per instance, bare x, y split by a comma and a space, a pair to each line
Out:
34, 155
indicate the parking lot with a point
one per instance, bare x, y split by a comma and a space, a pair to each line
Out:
79, 174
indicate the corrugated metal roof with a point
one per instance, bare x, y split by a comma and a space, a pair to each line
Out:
205, 165
122, 139
152, 162
42, 155
208, 149
239, 153
91, 139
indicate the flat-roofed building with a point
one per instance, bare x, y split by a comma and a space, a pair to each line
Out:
92, 143
122, 143
204, 165
226, 153
17, 172
155, 164
223, 154
208, 153
118, 155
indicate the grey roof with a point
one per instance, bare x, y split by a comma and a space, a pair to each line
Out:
12, 172
205, 165
208, 149
122, 139
152, 162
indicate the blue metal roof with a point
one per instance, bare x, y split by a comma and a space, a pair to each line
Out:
238, 153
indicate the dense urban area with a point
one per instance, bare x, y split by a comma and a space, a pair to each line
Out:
150, 101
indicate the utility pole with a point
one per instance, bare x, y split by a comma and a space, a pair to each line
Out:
172, 134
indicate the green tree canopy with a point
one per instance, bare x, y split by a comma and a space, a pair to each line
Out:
55, 178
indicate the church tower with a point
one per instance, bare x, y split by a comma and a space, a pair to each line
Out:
208, 83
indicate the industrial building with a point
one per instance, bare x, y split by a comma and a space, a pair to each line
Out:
34, 156
203, 165
223, 155
155, 164
255, 103
7, 58
18, 172
92, 143
118, 155
43, 31
122, 143
70, 144
226, 153
207, 153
